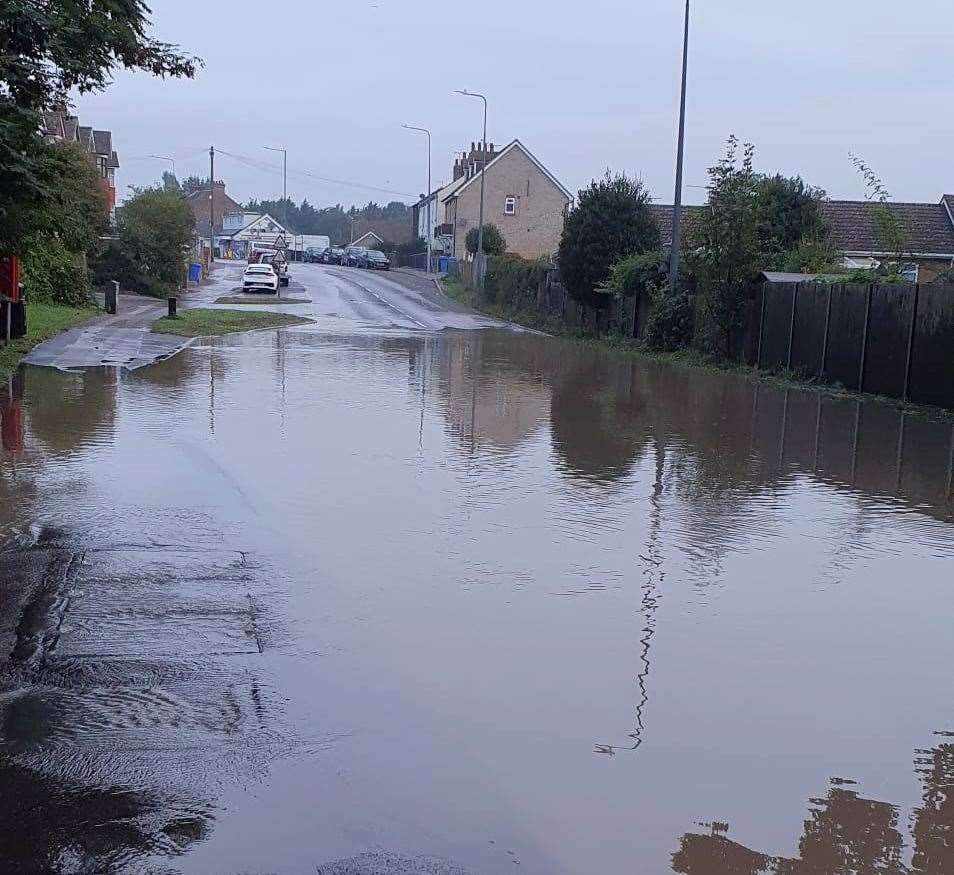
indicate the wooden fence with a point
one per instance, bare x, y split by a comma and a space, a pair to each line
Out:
894, 340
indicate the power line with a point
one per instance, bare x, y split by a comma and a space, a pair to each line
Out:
265, 167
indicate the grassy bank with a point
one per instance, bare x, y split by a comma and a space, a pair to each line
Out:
202, 322
43, 322
692, 358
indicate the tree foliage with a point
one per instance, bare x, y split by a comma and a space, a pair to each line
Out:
789, 214
634, 274
192, 184
611, 220
671, 319
155, 228
724, 249
46, 50
494, 242
892, 232
52, 274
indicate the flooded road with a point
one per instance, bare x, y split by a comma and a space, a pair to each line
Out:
358, 600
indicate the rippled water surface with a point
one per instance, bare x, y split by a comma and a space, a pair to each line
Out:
467, 603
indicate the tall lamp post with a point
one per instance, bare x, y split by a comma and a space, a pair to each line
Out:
284, 182
430, 228
483, 164
172, 161
677, 201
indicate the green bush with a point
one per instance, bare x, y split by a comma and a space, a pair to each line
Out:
512, 282
494, 243
670, 323
54, 275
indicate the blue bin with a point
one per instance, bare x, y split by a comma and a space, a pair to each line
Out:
195, 272
442, 264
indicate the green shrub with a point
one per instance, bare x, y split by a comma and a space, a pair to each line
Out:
512, 282
54, 275
670, 323
494, 243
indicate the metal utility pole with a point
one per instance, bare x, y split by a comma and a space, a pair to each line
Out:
677, 201
211, 204
483, 165
284, 183
430, 228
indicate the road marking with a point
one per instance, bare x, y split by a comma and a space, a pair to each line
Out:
387, 304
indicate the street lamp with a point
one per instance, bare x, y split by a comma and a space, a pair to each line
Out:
430, 228
284, 182
483, 164
172, 161
677, 201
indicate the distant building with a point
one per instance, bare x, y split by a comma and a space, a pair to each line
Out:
222, 205
522, 198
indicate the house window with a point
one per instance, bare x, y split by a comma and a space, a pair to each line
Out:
510, 206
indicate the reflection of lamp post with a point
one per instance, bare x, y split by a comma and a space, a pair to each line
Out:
429, 226
483, 165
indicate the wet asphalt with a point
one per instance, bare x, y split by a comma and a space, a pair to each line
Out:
408, 591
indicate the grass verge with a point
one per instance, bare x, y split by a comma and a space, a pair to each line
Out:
202, 322
690, 358
260, 300
43, 322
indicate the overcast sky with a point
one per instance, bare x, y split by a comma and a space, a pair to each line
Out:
585, 86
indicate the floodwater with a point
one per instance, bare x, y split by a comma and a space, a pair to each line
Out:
469, 602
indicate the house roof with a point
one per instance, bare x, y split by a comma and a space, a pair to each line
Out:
387, 230
85, 136
260, 220
853, 228
52, 124
366, 236
71, 127
113, 160
663, 216
930, 227
103, 142
515, 144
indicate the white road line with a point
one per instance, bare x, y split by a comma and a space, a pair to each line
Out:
387, 304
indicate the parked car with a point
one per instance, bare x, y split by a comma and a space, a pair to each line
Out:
260, 278
314, 255
375, 260
353, 255
334, 255
279, 264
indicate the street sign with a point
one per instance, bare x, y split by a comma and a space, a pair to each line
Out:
280, 243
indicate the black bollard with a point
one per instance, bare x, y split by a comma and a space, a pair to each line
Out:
112, 297
172, 308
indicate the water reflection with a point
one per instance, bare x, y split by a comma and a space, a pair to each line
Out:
847, 834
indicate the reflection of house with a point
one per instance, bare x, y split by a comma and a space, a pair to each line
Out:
505, 406
854, 232
58, 126
522, 198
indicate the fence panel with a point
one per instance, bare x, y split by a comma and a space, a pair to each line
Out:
846, 334
889, 326
811, 318
932, 359
776, 325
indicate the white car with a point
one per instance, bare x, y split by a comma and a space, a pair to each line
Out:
260, 278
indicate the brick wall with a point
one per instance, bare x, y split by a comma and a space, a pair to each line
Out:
534, 229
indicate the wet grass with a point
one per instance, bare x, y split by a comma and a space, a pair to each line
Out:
202, 322
43, 322
260, 300
690, 358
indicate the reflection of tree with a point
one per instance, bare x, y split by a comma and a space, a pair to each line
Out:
934, 820
597, 424
66, 411
55, 827
847, 834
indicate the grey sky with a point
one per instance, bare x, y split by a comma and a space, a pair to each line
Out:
585, 86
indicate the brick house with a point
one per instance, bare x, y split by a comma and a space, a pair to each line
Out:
522, 198
222, 205
854, 232
59, 126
